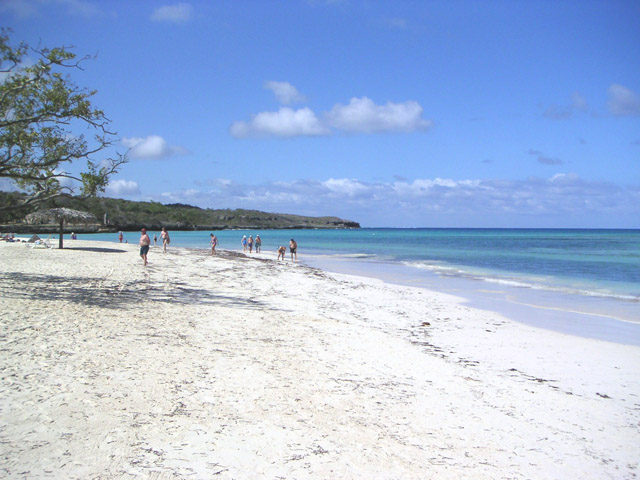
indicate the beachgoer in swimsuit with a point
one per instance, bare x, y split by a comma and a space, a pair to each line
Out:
281, 251
258, 243
250, 243
244, 243
120, 236
214, 242
293, 248
145, 241
165, 239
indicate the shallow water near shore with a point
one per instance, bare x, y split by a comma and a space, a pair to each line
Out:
581, 282
592, 317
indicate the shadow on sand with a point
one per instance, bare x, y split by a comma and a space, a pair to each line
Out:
111, 295
96, 249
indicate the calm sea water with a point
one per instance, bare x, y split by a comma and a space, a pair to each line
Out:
595, 272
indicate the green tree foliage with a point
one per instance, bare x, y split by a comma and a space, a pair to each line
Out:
42, 112
128, 215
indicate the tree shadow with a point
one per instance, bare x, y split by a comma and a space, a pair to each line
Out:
96, 249
112, 295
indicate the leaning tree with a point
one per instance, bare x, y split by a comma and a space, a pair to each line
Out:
49, 129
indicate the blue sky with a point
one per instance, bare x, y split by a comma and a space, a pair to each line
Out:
391, 113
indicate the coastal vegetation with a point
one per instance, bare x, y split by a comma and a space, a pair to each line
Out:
41, 112
118, 214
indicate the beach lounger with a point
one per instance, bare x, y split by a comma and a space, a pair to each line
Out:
41, 244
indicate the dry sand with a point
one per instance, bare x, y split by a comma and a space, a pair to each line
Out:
234, 367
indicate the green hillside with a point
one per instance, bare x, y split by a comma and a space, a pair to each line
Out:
129, 215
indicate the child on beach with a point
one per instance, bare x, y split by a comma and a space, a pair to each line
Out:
281, 251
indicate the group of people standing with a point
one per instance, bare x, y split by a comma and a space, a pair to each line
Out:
248, 244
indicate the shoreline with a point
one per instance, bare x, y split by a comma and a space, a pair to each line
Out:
248, 368
510, 291
551, 310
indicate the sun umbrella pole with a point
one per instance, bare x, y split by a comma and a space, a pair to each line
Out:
61, 232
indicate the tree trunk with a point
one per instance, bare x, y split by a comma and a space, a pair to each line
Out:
61, 233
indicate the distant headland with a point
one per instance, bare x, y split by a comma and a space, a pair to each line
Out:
117, 214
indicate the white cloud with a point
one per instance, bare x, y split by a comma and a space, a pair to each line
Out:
363, 115
286, 122
179, 13
286, 93
424, 186
122, 187
622, 101
563, 199
564, 178
151, 147
346, 186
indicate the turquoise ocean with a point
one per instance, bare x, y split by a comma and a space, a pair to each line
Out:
584, 282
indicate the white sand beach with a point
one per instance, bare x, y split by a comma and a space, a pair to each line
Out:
238, 368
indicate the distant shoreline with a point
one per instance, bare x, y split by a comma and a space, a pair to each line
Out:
25, 228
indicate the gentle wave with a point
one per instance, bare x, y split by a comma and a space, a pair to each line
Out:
351, 255
449, 270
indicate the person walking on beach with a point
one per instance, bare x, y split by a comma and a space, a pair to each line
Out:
258, 243
165, 239
250, 244
120, 236
214, 243
281, 251
145, 241
244, 243
155, 240
293, 248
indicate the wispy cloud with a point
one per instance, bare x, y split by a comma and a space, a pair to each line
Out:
399, 23
561, 112
286, 93
420, 201
544, 159
152, 147
346, 187
622, 101
30, 8
178, 13
19, 8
